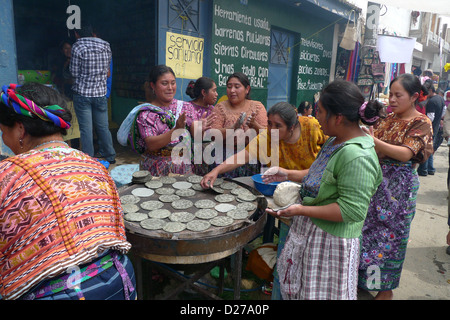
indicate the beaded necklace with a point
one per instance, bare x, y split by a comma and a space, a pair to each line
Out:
50, 142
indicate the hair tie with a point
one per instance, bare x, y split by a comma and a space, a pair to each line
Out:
362, 110
26, 107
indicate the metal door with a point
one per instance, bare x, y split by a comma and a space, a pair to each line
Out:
280, 67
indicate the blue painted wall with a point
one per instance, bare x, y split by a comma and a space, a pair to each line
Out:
204, 31
8, 57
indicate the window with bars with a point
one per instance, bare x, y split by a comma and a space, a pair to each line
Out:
184, 15
279, 49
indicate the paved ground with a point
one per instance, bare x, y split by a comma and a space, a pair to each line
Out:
426, 272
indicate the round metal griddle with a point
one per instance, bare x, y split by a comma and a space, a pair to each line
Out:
193, 247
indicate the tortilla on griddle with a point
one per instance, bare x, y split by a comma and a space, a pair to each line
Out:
142, 192
159, 213
206, 214
221, 221
181, 216
153, 224
151, 205
198, 225
174, 227
204, 204
182, 204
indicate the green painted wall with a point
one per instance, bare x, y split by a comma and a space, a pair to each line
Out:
240, 43
237, 25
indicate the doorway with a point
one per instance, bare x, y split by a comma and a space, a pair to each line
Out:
280, 67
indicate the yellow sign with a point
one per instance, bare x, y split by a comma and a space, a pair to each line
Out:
184, 54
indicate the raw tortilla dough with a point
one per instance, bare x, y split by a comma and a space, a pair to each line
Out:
286, 193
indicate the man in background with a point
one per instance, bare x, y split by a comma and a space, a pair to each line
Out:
90, 68
434, 110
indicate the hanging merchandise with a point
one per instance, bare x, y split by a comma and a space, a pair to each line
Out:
366, 91
368, 58
365, 80
351, 33
377, 68
365, 77
354, 64
393, 71
342, 63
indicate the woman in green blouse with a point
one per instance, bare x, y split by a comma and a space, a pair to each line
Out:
320, 257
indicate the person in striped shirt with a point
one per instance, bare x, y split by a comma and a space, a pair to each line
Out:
90, 69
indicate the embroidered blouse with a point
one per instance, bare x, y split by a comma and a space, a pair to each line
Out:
150, 123
226, 116
415, 134
296, 156
198, 111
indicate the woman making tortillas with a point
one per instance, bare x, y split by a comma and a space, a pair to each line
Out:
233, 117
320, 257
298, 140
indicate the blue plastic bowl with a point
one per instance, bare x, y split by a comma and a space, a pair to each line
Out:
266, 189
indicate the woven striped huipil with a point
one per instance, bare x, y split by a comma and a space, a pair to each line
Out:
58, 208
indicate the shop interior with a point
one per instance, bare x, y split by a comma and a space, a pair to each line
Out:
129, 26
